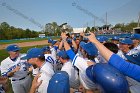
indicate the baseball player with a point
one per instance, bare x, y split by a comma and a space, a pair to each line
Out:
69, 68
17, 70
59, 83
81, 64
127, 68
50, 56
132, 55
35, 56
115, 40
136, 41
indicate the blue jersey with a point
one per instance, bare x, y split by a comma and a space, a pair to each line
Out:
127, 68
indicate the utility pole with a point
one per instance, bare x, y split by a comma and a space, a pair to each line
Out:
106, 21
139, 20
94, 24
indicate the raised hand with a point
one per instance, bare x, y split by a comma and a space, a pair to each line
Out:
63, 35
91, 37
82, 34
35, 83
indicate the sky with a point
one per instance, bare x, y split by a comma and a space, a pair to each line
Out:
34, 14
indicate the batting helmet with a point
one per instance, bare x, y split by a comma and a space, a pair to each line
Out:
108, 78
59, 83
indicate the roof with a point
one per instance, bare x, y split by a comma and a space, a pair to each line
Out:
78, 30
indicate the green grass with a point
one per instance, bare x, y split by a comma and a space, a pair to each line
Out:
20, 41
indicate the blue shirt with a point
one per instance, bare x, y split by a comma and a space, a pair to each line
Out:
129, 69
71, 54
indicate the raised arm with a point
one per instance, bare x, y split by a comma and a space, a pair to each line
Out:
129, 69
73, 42
60, 45
70, 53
106, 53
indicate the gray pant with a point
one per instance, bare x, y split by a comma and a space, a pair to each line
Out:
22, 86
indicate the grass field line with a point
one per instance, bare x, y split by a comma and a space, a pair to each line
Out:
26, 44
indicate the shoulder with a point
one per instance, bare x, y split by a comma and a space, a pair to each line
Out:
67, 64
5, 61
22, 55
47, 66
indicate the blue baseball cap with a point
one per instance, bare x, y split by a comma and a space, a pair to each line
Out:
126, 41
102, 39
59, 83
81, 43
90, 48
50, 40
135, 36
105, 38
53, 42
63, 54
85, 39
34, 53
46, 48
69, 41
13, 48
115, 38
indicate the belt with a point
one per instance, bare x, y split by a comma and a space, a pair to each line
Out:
20, 78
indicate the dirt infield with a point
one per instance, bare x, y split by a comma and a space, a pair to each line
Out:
25, 44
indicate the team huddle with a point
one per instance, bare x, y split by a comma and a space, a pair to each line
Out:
75, 64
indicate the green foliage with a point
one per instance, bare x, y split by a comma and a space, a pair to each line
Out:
8, 32
126, 27
87, 29
52, 29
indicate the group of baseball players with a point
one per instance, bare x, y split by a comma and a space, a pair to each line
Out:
75, 64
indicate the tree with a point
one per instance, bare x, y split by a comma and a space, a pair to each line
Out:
87, 30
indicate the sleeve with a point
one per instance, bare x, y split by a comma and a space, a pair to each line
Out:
4, 69
77, 61
71, 54
53, 52
80, 63
129, 69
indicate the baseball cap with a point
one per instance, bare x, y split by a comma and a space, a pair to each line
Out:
90, 48
115, 38
102, 39
81, 43
34, 53
53, 42
46, 48
69, 40
50, 40
59, 83
135, 36
126, 41
63, 54
85, 39
13, 48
